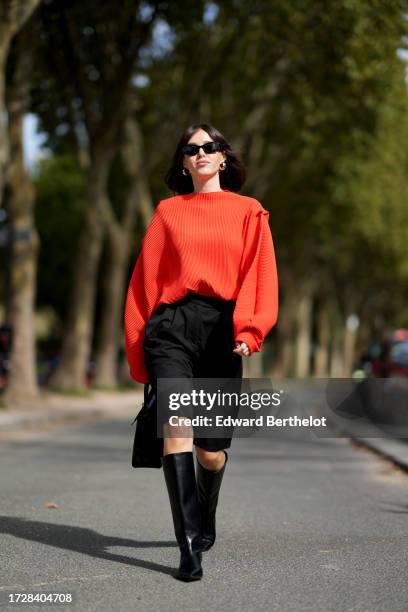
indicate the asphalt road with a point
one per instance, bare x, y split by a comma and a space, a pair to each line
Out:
303, 525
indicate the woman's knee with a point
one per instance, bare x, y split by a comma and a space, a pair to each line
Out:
210, 460
177, 439
177, 445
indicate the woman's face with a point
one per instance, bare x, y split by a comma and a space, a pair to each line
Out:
203, 164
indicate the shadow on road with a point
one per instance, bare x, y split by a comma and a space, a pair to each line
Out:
81, 540
399, 508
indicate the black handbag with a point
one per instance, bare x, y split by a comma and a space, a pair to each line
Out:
147, 447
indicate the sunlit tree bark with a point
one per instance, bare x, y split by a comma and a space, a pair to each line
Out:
20, 312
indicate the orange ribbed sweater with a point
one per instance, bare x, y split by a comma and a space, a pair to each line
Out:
216, 244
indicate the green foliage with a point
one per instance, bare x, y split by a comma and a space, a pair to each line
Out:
301, 87
380, 186
59, 184
312, 93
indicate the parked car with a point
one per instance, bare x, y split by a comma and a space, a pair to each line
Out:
388, 358
6, 334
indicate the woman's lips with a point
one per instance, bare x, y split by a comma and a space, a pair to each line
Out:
202, 163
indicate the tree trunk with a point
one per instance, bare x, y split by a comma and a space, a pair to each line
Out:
252, 366
348, 351
77, 342
120, 236
336, 353
366, 331
4, 144
13, 14
283, 366
114, 281
321, 366
22, 380
146, 208
349, 345
336, 361
303, 335
71, 371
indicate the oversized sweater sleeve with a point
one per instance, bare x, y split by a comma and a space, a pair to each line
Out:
256, 308
143, 294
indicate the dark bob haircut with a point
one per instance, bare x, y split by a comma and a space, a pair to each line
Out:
232, 178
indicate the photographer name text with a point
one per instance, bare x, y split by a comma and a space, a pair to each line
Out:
259, 421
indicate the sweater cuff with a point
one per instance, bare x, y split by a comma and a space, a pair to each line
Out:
249, 340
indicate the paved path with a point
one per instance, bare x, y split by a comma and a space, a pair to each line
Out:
316, 525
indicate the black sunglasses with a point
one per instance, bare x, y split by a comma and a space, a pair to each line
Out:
208, 147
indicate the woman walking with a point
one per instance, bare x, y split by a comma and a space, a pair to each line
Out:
203, 293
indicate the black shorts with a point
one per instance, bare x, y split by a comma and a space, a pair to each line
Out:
193, 338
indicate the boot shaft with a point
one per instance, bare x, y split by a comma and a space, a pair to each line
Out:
209, 484
179, 473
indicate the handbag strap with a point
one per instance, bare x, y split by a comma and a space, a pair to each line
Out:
145, 400
146, 394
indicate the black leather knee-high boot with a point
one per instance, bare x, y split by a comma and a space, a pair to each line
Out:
181, 484
208, 484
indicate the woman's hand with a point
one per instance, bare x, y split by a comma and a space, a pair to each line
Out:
241, 349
